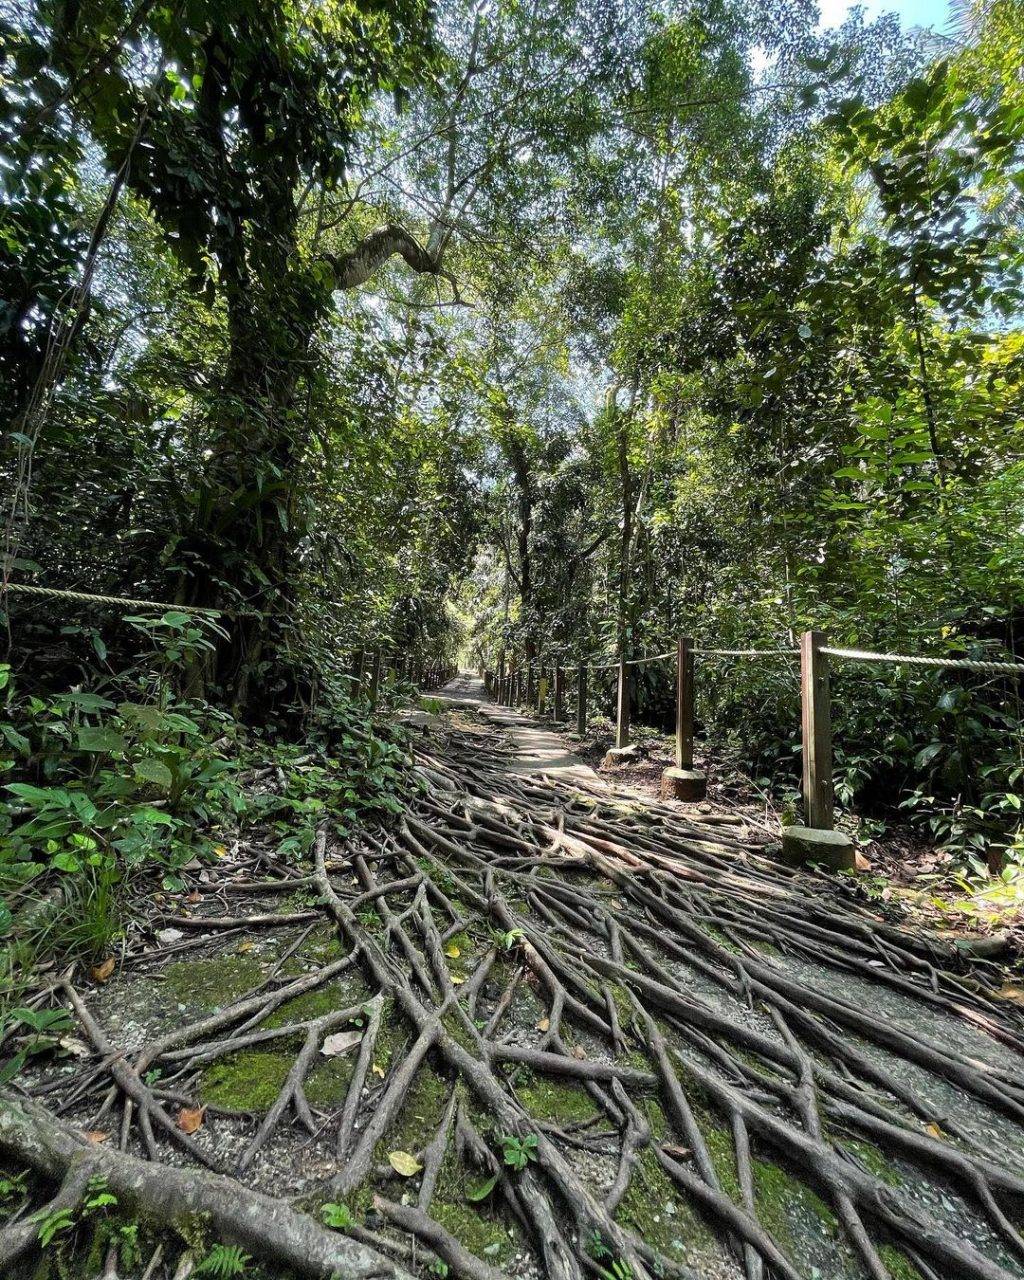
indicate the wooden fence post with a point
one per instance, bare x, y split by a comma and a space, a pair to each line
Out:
375, 678
684, 703
581, 700
529, 683
501, 680
356, 672
559, 709
622, 708
816, 721
682, 781
542, 691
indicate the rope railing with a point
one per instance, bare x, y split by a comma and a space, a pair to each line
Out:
682, 781
428, 675
89, 597
952, 664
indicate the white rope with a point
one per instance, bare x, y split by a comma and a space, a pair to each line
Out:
86, 596
747, 653
958, 664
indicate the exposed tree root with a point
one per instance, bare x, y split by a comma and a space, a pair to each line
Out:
674, 965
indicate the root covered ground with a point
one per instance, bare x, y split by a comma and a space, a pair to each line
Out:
533, 1029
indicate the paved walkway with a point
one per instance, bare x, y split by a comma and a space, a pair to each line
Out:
537, 749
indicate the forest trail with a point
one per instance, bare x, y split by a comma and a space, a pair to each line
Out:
537, 749
532, 1028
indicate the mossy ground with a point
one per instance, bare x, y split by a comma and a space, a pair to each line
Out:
250, 1081
213, 982
550, 1099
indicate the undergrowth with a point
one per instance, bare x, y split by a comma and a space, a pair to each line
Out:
128, 778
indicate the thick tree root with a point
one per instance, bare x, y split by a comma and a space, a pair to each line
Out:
675, 965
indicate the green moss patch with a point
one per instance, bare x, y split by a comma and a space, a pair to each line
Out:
555, 1100
212, 983
247, 1081
250, 1081
480, 1227
655, 1210
422, 1111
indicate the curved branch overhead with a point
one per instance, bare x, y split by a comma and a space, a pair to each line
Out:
358, 265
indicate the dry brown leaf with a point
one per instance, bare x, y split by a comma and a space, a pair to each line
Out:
680, 1153
190, 1119
244, 947
96, 1136
340, 1042
102, 971
378, 1070
934, 1130
194, 897
404, 1163
579, 1052
544, 1024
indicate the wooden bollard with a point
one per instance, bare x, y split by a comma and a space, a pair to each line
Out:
542, 691
501, 680
375, 678
559, 708
816, 720
816, 840
622, 706
683, 782
530, 685
581, 700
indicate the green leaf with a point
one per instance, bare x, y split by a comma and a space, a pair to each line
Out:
155, 771
481, 1190
98, 737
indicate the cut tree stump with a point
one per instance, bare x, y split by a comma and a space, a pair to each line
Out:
683, 784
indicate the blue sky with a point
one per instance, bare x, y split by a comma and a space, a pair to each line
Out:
913, 13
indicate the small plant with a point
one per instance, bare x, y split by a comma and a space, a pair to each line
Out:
38, 1030
518, 1152
222, 1262
438, 1268
52, 1224
338, 1216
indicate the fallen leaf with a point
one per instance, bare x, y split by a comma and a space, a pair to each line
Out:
378, 1070
220, 850
194, 897
457, 979
190, 1119
934, 1130
244, 947
680, 1153
77, 1048
101, 972
169, 935
544, 1024
405, 1164
579, 1052
96, 1136
452, 951
340, 1042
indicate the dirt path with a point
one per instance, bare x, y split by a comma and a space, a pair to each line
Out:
533, 1028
